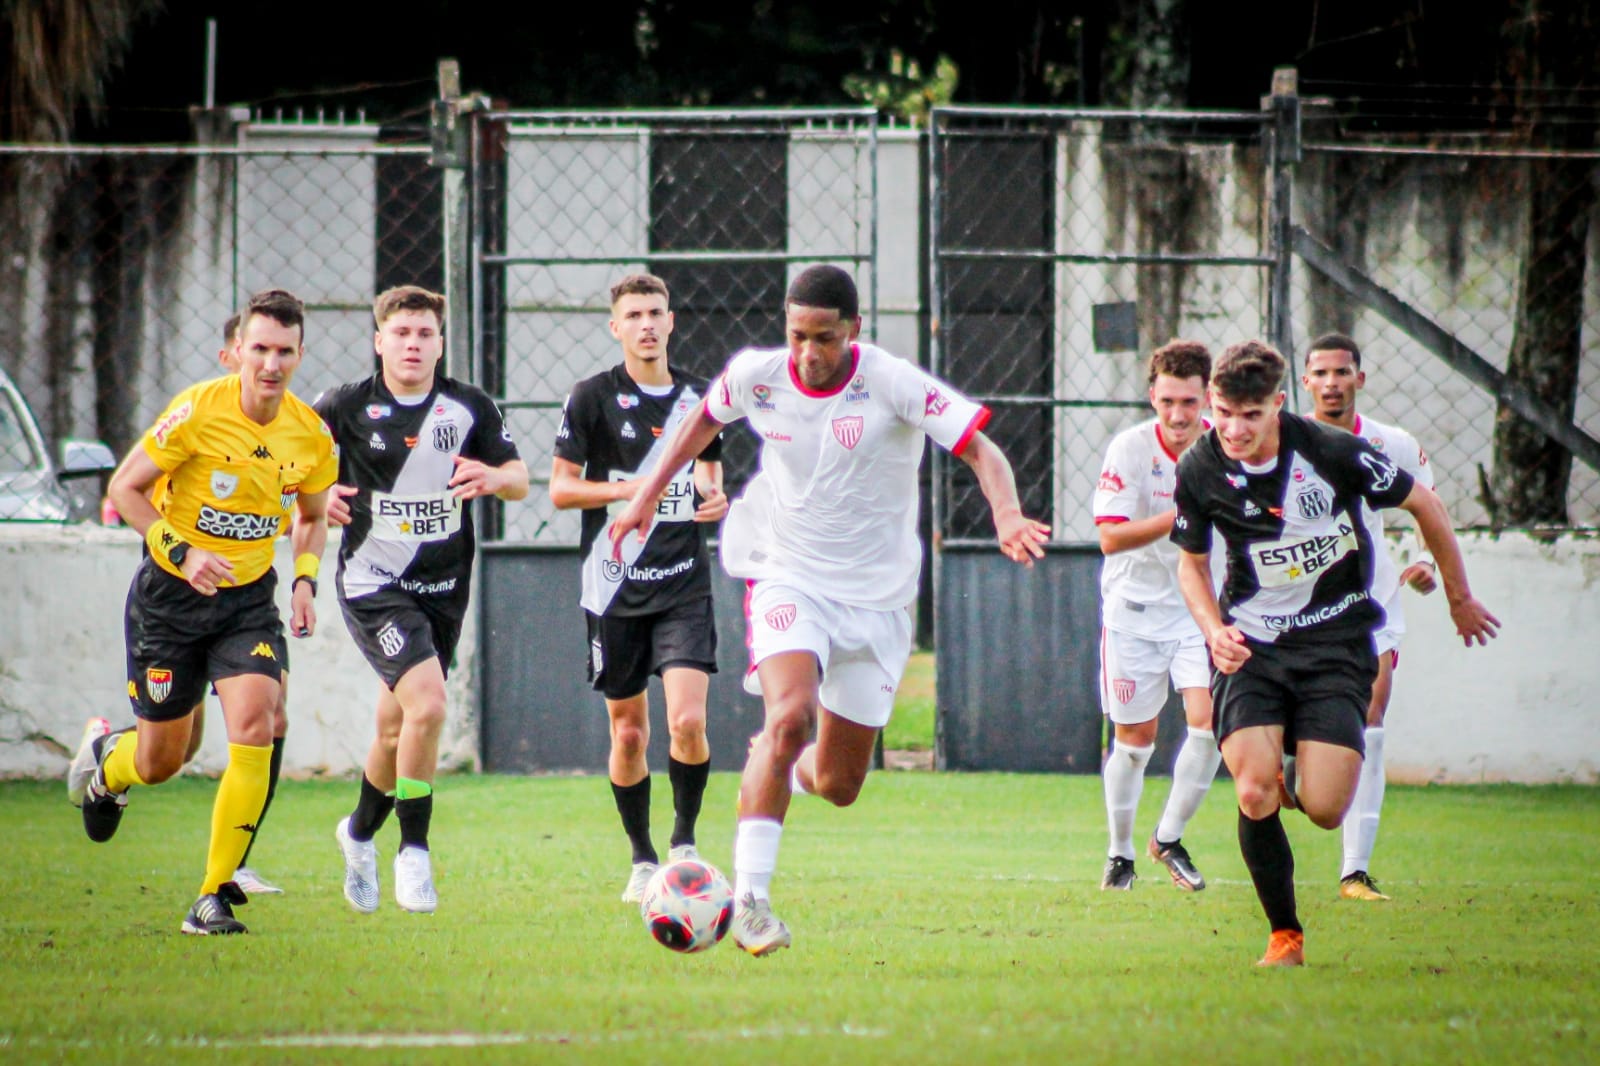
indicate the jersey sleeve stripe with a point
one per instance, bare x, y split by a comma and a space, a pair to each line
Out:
979, 420
1109, 519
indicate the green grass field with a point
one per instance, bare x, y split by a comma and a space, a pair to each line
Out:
945, 918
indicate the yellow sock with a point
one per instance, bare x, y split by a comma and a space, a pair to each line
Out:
241, 794
121, 771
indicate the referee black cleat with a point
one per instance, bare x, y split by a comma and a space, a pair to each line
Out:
1119, 874
1175, 857
102, 808
212, 913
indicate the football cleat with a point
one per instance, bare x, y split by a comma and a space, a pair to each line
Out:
1175, 857
1361, 886
102, 808
1119, 874
86, 761
682, 852
1287, 947
360, 868
413, 881
212, 913
756, 928
254, 884
1286, 793
637, 880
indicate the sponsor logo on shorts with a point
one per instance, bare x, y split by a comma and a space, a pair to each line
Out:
612, 570
781, 617
223, 484
1282, 623
231, 525
659, 573
171, 421
596, 656
446, 437
934, 402
426, 588
847, 430
1123, 689
391, 640
263, 650
158, 683
1290, 561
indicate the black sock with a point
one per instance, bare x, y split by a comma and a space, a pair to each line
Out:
372, 810
272, 787
688, 787
414, 816
1266, 851
633, 803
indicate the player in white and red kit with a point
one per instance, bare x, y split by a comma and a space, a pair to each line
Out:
826, 535
1148, 635
1332, 378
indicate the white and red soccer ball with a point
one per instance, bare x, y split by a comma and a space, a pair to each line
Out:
688, 906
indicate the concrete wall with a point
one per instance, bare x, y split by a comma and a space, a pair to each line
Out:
1522, 709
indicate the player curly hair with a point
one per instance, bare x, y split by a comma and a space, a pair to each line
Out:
1181, 359
827, 287
1248, 372
639, 285
1336, 342
407, 298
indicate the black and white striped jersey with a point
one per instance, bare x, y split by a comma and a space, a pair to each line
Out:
1299, 557
618, 431
407, 530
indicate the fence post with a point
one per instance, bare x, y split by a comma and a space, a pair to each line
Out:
450, 147
1284, 146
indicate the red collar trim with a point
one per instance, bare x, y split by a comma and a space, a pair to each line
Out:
806, 390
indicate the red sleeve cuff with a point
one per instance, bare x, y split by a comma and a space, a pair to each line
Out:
979, 420
1108, 519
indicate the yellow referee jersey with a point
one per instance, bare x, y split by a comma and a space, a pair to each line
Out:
231, 481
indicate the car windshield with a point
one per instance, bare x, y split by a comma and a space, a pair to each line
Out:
17, 450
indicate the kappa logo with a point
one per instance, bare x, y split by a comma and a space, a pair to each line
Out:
391, 640
627, 401
261, 452
446, 437
1383, 472
263, 651
934, 402
1110, 481
782, 616
158, 683
847, 430
1313, 502
1123, 689
223, 484
376, 411
376, 442
133, 690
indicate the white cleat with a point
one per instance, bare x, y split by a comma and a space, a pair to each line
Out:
413, 881
254, 884
683, 853
757, 929
360, 868
86, 761
637, 880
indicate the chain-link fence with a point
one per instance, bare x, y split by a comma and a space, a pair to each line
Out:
1065, 246
119, 266
725, 207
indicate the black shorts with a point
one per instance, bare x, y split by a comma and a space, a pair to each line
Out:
624, 652
177, 639
1315, 691
396, 630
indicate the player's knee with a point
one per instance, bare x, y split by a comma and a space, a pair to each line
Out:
1323, 815
687, 726
839, 789
156, 765
629, 739
427, 717
788, 733
1258, 796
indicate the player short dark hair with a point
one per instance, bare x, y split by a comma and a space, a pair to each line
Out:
230, 329
1181, 359
1335, 342
407, 298
1250, 372
826, 287
639, 285
280, 305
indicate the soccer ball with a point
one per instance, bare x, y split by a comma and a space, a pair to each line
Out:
688, 906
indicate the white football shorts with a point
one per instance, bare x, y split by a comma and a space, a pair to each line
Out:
862, 652
1134, 672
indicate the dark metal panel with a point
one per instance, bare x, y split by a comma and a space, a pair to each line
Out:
538, 713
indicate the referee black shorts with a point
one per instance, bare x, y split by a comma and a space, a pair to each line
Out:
624, 652
1315, 691
396, 630
177, 639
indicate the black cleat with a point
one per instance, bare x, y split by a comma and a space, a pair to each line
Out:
1119, 874
1175, 857
102, 808
212, 913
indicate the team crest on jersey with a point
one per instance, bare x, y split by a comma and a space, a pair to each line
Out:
158, 683
781, 617
1110, 481
1376, 442
934, 402
1313, 502
847, 430
1123, 689
223, 484
446, 436
858, 390
287, 495
763, 395
627, 401
171, 421
376, 411
391, 640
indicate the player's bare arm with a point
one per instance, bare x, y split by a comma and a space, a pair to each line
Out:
708, 483
569, 489
688, 441
129, 488
308, 537
1021, 538
474, 478
1473, 621
339, 504
1135, 533
1228, 648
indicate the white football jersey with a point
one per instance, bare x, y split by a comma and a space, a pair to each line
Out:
833, 504
1139, 588
1404, 451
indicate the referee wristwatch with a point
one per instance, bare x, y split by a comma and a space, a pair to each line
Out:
177, 553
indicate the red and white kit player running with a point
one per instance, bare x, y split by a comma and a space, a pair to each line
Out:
826, 535
1148, 634
1332, 378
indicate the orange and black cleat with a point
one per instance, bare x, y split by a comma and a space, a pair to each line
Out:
1286, 948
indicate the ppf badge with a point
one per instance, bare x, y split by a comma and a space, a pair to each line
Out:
158, 682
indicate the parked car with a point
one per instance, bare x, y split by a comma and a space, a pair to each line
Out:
34, 487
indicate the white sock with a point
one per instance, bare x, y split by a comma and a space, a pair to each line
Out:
794, 774
1361, 823
755, 852
1124, 780
1192, 773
